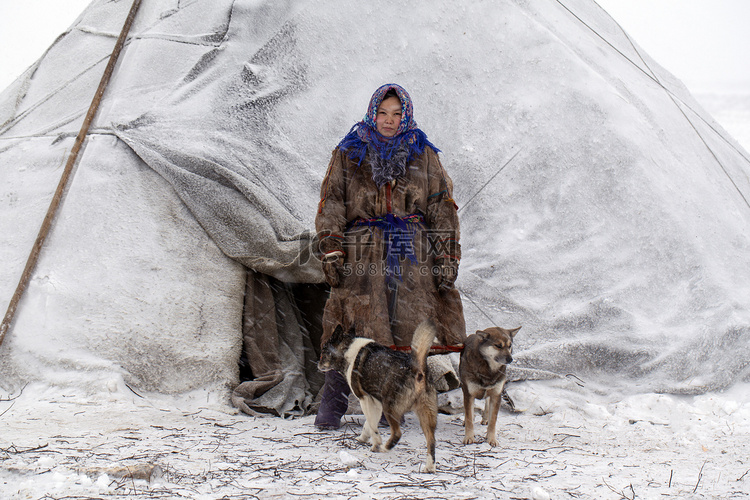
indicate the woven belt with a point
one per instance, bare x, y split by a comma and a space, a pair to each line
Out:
398, 234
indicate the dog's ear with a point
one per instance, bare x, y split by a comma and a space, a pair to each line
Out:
338, 334
352, 331
482, 334
514, 331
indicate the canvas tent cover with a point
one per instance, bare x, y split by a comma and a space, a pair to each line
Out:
601, 208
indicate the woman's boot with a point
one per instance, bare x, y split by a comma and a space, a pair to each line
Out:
334, 402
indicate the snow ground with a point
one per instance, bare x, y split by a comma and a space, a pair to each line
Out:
570, 440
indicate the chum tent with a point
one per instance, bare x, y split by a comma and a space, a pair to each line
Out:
601, 208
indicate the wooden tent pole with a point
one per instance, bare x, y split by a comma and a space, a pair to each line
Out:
57, 198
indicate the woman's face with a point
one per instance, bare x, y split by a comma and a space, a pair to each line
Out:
389, 116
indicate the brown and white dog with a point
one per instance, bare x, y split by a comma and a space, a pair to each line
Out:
387, 381
482, 374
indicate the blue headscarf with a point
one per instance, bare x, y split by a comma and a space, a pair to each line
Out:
364, 135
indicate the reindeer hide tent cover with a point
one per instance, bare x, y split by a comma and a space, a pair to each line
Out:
601, 207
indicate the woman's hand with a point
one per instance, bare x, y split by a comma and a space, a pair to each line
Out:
332, 257
332, 267
446, 273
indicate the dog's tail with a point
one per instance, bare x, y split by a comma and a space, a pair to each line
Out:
421, 342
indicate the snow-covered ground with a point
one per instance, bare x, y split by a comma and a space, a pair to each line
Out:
570, 440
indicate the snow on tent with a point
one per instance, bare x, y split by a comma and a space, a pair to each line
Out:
601, 208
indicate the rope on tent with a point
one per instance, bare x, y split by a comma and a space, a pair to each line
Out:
473, 302
490, 180
50, 95
66, 175
464, 205
651, 75
703, 139
673, 97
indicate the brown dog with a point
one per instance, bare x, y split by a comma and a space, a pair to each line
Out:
482, 373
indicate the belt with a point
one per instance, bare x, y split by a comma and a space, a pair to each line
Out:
398, 234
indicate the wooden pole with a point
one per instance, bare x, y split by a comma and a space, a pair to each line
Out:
66, 175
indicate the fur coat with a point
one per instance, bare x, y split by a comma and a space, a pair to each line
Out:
381, 302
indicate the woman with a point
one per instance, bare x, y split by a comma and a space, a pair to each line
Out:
389, 237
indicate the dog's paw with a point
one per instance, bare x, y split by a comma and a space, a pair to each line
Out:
470, 440
363, 439
485, 421
377, 448
491, 441
430, 467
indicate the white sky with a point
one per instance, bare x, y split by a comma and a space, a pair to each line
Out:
702, 42
28, 28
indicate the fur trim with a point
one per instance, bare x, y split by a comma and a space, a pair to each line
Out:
384, 170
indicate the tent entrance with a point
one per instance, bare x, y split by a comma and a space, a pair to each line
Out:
281, 331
